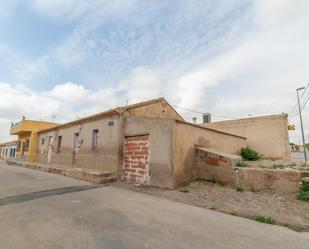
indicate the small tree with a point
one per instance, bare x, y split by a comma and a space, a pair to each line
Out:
249, 154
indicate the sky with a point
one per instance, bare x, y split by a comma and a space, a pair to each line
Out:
66, 59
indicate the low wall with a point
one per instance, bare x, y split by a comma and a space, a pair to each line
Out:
217, 168
187, 136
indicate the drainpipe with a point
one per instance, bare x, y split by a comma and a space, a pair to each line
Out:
121, 130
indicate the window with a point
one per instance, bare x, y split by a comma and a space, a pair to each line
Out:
95, 135
43, 141
26, 145
76, 142
59, 143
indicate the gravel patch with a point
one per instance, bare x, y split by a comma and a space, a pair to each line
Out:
285, 209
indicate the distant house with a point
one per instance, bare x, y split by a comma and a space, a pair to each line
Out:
8, 150
27, 132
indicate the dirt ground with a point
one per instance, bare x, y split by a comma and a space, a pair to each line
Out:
276, 164
285, 209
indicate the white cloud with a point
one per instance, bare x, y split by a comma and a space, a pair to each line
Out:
72, 9
142, 83
69, 92
68, 101
255, 69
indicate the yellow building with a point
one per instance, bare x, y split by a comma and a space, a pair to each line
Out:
27, 142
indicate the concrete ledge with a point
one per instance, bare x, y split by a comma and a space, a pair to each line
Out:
89, 175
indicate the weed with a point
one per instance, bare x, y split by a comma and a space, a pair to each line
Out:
253, 190
303, 196
305, 174
249, 154
239, 189
305, 186
278, 166
184, 190
241, 164
222, 184
265, 219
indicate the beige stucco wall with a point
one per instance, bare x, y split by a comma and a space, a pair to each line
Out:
268, 134
103, 158
160, 109
186, 136
161, 147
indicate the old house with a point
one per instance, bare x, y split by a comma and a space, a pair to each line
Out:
146, 143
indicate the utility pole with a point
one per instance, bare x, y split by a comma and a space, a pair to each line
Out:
301, 123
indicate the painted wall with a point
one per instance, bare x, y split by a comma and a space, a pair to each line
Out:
187, 136
103, 157
160, 147
268, 134
28, 130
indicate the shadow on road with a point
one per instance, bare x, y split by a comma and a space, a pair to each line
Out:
45, 193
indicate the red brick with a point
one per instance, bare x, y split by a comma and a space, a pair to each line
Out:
140, 152
137, 157
133, 148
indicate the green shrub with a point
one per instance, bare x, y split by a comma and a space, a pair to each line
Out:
241, 164
249, 154
222, 184
265, 219
305, 186
303, 196
305, 174
239, 189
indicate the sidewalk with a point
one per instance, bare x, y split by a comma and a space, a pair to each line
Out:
90, 175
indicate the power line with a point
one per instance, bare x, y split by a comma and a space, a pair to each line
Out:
305, 102
185, 109
198, 112
293, 113
303, 105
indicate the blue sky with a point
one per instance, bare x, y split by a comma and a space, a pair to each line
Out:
72, 58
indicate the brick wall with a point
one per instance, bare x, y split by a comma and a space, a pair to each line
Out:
136, 159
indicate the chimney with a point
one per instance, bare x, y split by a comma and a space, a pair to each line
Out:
206, 118
194, 120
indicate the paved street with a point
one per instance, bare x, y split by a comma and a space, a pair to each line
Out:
298, 156
41, 210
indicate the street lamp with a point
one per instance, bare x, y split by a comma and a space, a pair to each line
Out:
301, 123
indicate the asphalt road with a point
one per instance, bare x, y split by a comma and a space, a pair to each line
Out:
298, 155
41, 210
